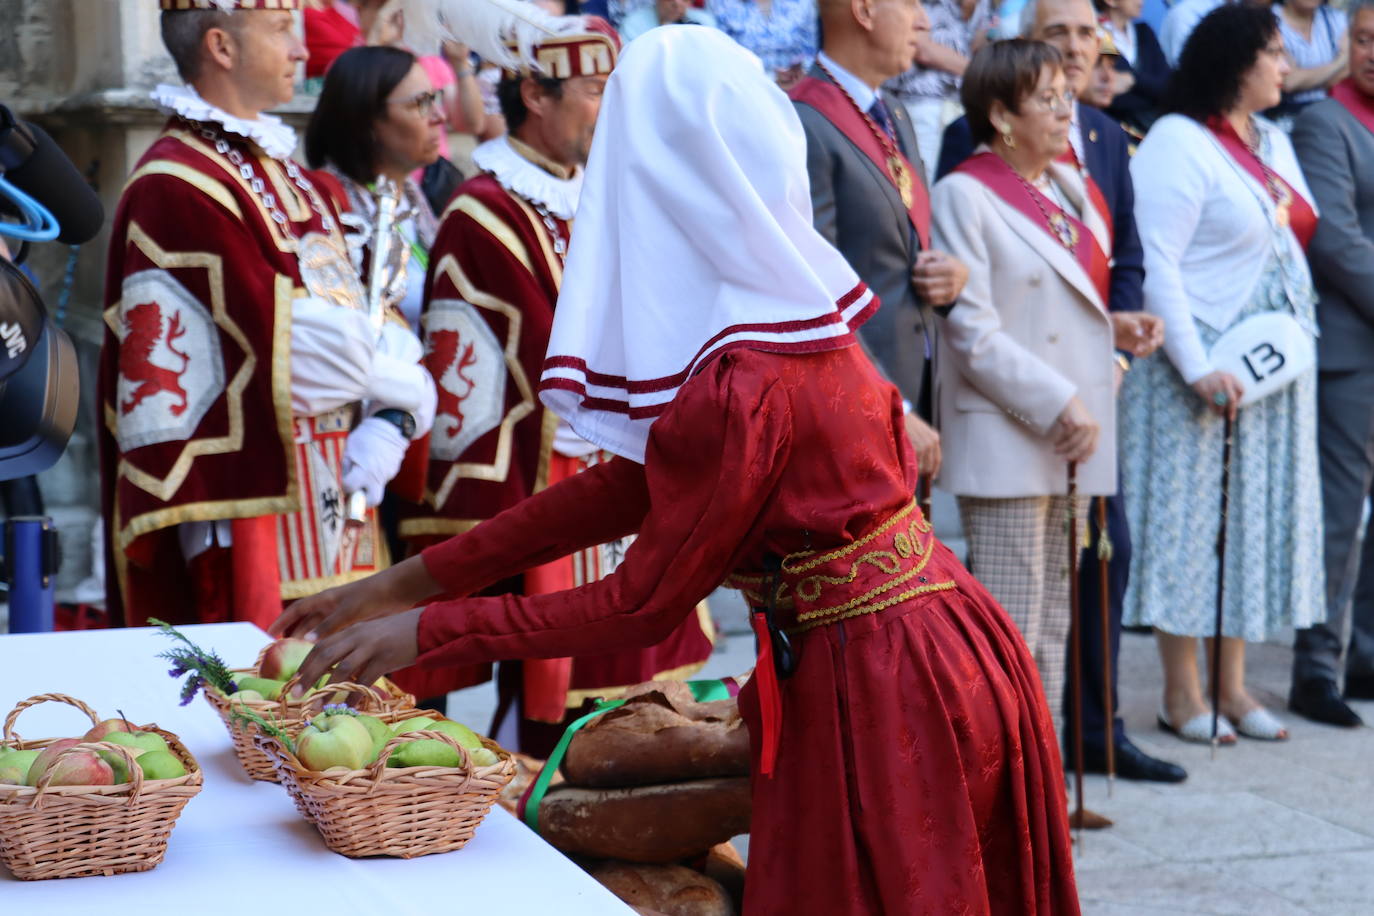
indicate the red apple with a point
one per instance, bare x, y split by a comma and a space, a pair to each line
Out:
84, 768
284, 658
109, 726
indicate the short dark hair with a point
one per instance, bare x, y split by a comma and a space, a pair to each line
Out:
512, 105
1216, 57
183, 34
1003, 71
354, 97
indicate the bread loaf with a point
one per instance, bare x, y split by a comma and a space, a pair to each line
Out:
660, 735
670, 890
654, 824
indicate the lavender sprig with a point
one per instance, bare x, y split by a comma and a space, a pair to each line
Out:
242, 716
205, 668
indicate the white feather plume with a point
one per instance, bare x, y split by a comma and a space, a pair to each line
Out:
484, 26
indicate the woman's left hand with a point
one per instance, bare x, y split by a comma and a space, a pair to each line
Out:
365, 651
1137, 333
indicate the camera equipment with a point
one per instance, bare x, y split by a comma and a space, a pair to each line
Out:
39, 385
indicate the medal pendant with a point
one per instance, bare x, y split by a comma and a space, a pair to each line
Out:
1063, 230
903, 179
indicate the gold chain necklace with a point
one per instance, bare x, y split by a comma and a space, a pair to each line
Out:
1060, 226
896, 166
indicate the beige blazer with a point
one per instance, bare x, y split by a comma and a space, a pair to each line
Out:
1028, 332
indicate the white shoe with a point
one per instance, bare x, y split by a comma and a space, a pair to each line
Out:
1198, 729
1262, 724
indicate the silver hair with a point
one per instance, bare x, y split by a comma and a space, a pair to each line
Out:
1357, 7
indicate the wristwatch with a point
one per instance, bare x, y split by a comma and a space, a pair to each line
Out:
403, 421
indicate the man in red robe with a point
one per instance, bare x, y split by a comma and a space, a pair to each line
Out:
496, 268
238, 356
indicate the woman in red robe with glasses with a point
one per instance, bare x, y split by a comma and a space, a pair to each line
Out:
904, 760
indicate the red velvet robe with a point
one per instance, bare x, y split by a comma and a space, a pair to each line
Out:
918, 770
495, 272
194, 388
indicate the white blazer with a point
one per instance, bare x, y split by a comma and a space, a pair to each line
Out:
1028, 333
1207, 229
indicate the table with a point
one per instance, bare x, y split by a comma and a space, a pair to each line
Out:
240, 847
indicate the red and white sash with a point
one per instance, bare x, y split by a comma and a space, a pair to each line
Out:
830, 100
998, 176
1300, 215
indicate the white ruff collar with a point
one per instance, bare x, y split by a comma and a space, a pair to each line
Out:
276, 138
520, 175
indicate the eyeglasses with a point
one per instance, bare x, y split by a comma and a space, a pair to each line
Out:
1049, 101
423, 104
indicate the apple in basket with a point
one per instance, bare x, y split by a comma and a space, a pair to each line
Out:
84, 768
335, 741
283, 659
14, 766
160, 765
100, 730
138, 742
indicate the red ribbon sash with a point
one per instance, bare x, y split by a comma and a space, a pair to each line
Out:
830, 100
1302, 219
1355, 101
1099, 200
991, 170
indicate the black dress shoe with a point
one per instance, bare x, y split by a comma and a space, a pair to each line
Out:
1359, 687
1131, 763
1317, 699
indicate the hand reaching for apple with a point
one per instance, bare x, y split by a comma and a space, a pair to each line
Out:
364, 651
389, 592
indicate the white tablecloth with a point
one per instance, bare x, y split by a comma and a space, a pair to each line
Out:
240, 846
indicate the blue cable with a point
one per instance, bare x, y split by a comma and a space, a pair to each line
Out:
39, 224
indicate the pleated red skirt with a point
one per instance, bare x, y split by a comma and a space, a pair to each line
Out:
918, 771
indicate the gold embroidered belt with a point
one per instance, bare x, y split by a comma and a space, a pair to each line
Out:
882, 569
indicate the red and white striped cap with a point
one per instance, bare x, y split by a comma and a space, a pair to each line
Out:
230, 5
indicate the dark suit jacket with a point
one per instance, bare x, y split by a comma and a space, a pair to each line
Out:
859, 211
1109, 163
1337, 157
1140, 106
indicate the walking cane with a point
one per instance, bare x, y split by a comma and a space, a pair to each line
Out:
1104, 558
1221, 580
923, 496
1075, 649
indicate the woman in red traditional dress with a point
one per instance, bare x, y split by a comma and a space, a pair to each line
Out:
904, 760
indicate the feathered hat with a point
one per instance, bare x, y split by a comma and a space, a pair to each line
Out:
515, 35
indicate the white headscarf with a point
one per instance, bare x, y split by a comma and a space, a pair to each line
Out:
693, 236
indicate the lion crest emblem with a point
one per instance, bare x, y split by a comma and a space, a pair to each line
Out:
144, 325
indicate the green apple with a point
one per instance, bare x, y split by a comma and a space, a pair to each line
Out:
484, 757
458, 732
334, 741
160, 765
144, 741
418, 724
425, 752
268, 688
119, 766
283, 659
380, 732
14, 766
107, 727
246, 696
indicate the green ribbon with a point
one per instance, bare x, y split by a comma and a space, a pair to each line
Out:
702, 692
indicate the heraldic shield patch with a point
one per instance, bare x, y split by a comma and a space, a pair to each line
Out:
170, 368
469, 369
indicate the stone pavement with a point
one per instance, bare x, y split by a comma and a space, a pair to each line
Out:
1265, 828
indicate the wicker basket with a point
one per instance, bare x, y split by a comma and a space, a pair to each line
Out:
73, 831
410, 812
290, 715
